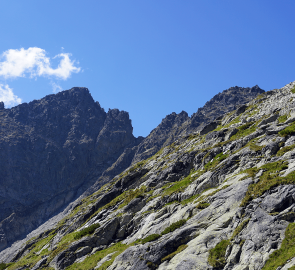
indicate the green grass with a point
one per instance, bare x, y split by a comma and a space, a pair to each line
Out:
254, 147
293, 90
86, 231
91, 261
189, 200
234, 121
244, 130
32, 257
125, 198
150, 238
181, 185
171, 255
285, 149
169, 229
269, 179
137, 165
202, 205
285, 252
240, 228
216, 160
62, 245
283, 118
217, 254
288, 130
4, 265
174, 226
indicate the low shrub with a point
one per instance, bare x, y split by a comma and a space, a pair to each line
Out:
202, 205
150, 238
86, 231
174, 226
217, 254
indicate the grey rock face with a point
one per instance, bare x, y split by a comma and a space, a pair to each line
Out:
175, 125
52, 150
187, 198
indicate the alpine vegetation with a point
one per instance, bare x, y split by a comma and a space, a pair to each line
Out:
198, 193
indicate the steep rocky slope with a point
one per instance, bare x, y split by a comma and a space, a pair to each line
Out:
219, 199
177, 125
64, 145
51, 151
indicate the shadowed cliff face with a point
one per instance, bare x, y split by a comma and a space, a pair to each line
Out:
52, 150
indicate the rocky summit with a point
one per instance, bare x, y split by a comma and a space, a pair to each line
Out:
218, 194
52, 150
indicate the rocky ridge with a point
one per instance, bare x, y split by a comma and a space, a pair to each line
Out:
175, 125
65, 146
52, 150
219, 199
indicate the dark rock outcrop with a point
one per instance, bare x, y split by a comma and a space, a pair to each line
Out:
52, 150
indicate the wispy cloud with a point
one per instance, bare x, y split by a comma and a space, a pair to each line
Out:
8, 97
56, 88
34, 62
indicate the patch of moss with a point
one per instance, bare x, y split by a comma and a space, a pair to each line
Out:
174, 226
285, 252
86, 231
293, 90
285, 149
269, 179
217, 254
171, 255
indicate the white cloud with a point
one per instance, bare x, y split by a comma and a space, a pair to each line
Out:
33, 61
8, 97
56, 88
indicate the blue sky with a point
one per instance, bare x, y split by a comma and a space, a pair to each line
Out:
150, 58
